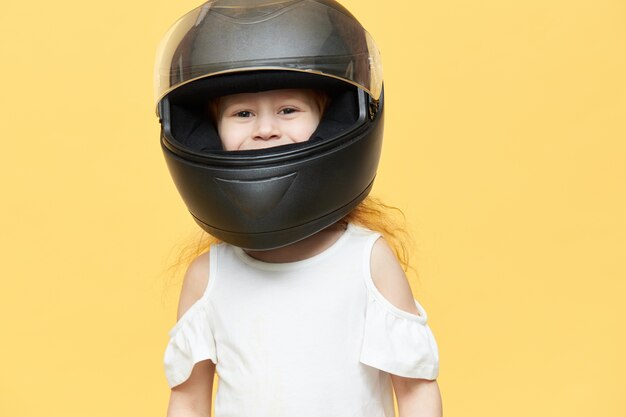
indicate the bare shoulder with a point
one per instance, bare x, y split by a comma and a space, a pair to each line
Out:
389, 277
195, 283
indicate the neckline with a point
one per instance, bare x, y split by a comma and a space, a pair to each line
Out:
282, 266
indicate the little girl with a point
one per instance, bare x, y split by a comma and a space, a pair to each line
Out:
301, 310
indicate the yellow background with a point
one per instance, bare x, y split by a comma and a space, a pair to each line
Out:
504, 147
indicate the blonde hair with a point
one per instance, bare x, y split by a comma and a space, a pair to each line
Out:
371, 213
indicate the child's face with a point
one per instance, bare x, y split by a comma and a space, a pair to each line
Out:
267, 119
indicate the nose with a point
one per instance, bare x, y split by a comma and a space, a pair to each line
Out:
266, 127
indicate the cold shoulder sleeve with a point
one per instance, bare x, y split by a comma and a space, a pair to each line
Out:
396, 341
191, 341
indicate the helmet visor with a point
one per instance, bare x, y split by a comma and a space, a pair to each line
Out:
224, 36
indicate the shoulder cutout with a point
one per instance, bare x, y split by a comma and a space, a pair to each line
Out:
390, 279
195, 283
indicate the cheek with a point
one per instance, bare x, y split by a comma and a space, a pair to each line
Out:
306, 129
230, 136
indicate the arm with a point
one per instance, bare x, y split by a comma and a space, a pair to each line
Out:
416, 397
192, 398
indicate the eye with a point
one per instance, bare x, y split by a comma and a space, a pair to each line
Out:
243, 113
288, 110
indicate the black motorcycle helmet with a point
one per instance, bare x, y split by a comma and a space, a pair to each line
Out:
269, 198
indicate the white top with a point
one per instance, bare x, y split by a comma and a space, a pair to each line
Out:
309, 338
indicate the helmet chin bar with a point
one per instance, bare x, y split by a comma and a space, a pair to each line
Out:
280, 238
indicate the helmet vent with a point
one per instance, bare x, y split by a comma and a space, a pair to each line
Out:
256, 198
